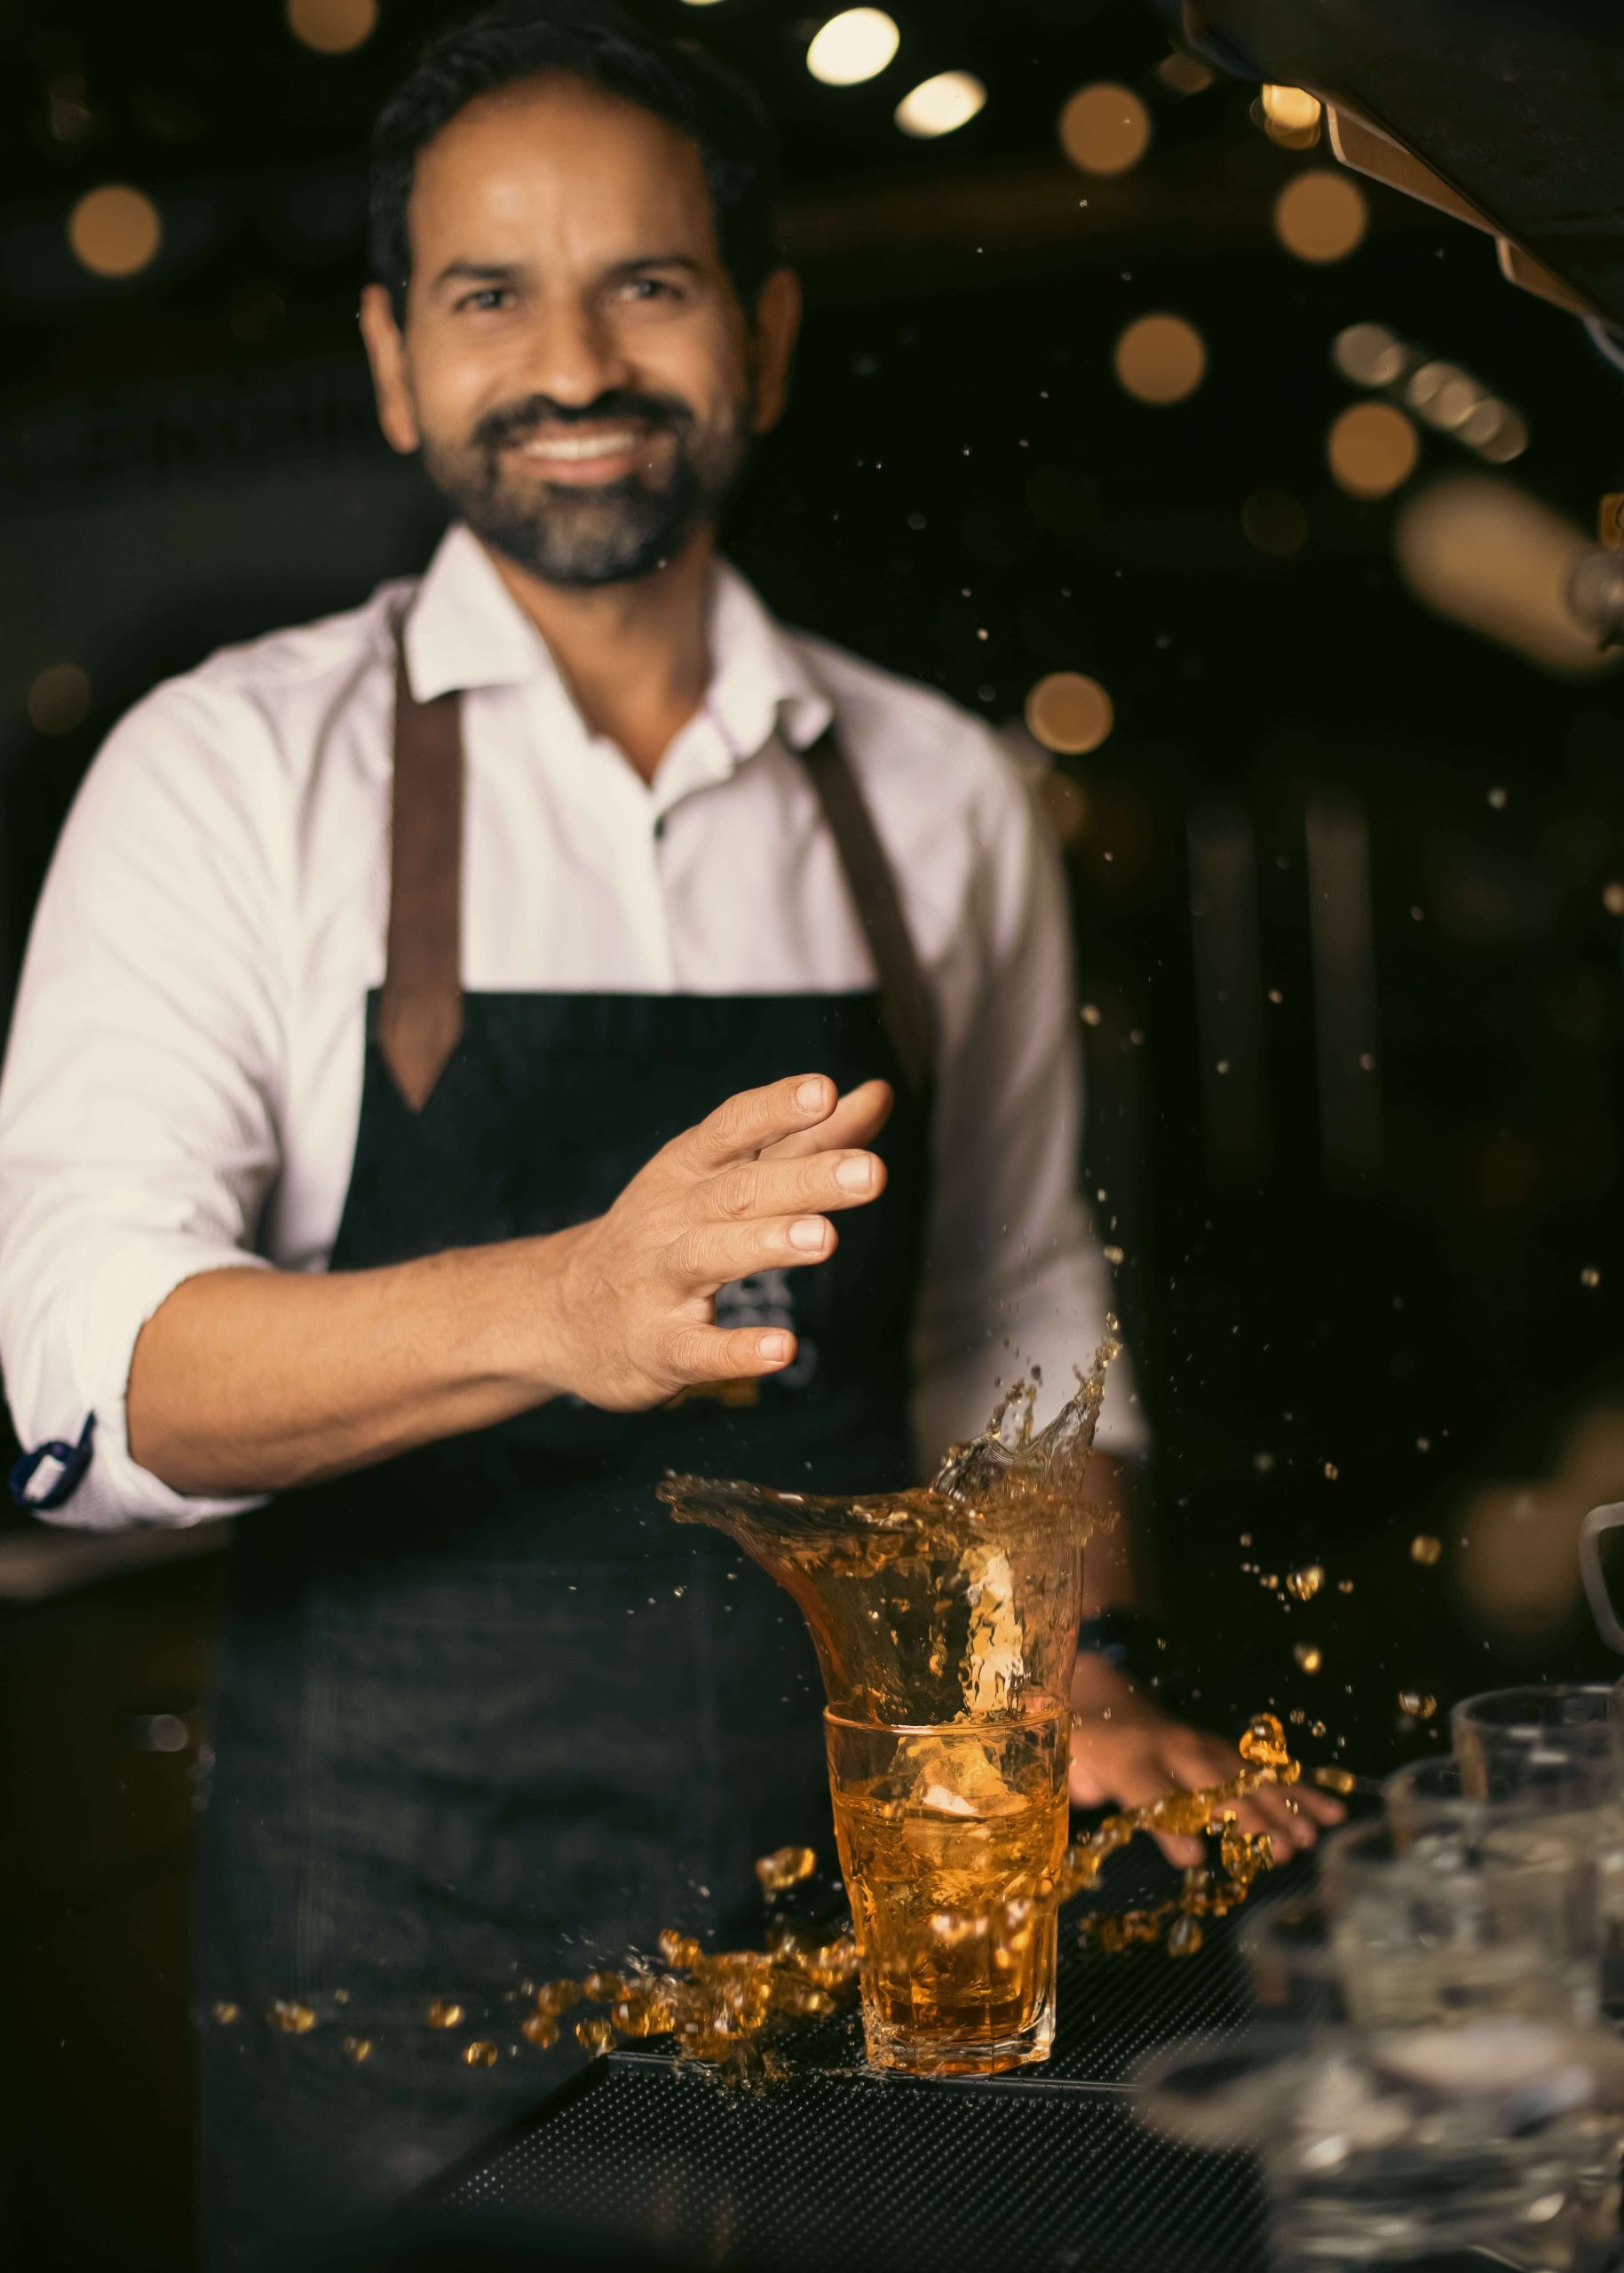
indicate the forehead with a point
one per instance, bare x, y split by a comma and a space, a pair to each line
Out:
553, 170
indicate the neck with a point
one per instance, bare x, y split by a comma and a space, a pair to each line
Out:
635, 656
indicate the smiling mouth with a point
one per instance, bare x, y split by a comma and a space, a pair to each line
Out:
582, 449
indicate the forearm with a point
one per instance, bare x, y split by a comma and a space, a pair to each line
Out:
252, 1381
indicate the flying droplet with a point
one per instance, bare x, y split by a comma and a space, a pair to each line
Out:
1308, 1657
1334, 1779
479, 2054
445, 2012
1306, 1582
1424, 1549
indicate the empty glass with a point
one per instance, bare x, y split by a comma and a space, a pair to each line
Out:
1558, 1748
1394, 2148
1499, 1918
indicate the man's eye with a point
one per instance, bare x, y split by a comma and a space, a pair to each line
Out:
649, 288
487, 296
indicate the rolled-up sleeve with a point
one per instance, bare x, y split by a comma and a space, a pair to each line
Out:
1015, 1276
140, 1099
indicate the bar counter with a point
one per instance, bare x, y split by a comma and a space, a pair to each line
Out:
646, 2160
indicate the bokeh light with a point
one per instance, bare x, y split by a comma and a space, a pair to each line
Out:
1159, 359
58, 700
332, 26
114, 231
854, 46
1372, 448
1320, 215
1069, 713
1290, 116
1484, 554
1368, 354
1274, 522
1183, 73
1105, 129
940, 105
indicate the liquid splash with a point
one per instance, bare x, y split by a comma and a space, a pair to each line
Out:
958, 1599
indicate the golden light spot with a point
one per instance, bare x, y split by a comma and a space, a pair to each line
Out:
445, 2012
1183, 74
940, 105
1321, 216
1308, 1657
1159, 359
58, 700
1425, 1549
1368, 354
1590, 1276
1290, 116
479, 2054
358, 2048
1105, 129
1274, 522
1371, 449
114, 231
855, 45
332, 26
1070, 713
1306, 1582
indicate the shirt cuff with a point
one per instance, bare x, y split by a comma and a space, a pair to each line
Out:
115, 1492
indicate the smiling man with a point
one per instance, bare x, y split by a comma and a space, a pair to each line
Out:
548, 1027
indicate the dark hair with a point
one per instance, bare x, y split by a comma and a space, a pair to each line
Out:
593, 42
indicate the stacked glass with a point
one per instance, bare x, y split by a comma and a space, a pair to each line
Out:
1428, 2074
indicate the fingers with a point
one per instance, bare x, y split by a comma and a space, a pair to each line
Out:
857, 1119
744, 1125
712, 1255
810, 1184
709, 1353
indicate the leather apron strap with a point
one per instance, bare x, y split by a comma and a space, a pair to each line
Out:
420, 1008
420, 1014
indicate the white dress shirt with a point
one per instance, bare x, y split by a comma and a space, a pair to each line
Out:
183, 1082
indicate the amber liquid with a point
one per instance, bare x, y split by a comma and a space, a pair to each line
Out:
951, 1855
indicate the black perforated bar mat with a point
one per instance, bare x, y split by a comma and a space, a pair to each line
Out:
645, 2161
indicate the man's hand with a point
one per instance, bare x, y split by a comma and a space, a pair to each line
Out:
633, 1303
1126, 1750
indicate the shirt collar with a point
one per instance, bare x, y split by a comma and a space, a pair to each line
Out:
465, 630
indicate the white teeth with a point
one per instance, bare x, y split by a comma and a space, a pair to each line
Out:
576, 447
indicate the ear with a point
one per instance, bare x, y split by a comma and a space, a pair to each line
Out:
386, 354
778, 326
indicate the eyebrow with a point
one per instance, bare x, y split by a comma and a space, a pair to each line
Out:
503, 272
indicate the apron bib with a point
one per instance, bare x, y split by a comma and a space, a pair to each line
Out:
483, 1713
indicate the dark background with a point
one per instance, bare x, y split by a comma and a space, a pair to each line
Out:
1359, 1317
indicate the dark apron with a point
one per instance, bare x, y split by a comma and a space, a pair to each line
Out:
483, 1713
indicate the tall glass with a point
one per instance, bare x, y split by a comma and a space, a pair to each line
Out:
1557, 1748
951, 1840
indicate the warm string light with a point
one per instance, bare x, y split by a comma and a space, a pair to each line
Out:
855, 45
1069, 713
1372, 448
114, 231
1105, 129
1159, 359
332, 26
1290, 116
1321, 216
941, 105
1448, 397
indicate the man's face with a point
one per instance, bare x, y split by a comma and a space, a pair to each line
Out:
574, 366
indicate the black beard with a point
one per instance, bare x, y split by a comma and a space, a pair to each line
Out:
577, 537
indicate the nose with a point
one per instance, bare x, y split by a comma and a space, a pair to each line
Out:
575, 357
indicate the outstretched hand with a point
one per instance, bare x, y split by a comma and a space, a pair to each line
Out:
750, 1189
1127, 1752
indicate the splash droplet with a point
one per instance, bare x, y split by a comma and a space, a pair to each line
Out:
1424, 1549
479, 2054
445, 2012
1308, 1657
1306, 1582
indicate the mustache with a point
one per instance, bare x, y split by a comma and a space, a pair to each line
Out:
517, 422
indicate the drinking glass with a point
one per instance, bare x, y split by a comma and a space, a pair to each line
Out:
1396, 2147
1498, 1915
951, 1840
1558, 1748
